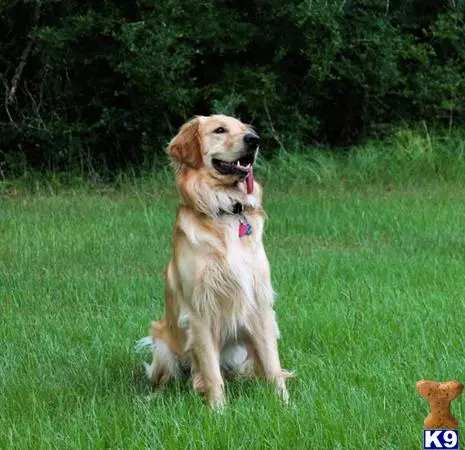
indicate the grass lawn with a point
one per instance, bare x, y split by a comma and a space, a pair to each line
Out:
370, 281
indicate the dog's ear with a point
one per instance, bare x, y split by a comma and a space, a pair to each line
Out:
185, 147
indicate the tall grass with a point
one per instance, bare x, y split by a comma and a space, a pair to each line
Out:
408, 157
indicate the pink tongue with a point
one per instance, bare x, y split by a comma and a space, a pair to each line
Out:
249, 181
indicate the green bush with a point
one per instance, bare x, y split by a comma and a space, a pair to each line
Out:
101, 86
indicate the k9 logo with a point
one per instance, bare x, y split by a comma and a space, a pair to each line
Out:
444, 439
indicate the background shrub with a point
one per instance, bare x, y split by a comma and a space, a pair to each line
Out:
100, 86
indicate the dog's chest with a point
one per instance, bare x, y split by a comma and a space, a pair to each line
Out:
221, 266
242, 249
242, 237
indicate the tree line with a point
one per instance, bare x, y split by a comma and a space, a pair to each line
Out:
102, 85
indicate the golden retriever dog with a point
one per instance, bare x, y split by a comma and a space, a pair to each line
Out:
219, 318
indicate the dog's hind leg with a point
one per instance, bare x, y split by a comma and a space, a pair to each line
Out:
166, 359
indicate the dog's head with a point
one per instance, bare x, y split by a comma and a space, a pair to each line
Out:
220, 145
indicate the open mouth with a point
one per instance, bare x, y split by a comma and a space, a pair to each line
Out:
241, 166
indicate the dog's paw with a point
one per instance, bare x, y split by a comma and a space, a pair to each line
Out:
216, 399
198, 383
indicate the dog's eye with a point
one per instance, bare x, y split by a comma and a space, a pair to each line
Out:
219, 130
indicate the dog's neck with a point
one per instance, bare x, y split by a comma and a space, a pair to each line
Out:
209, 198
237, 209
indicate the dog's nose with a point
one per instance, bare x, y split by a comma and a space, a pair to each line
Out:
251, 140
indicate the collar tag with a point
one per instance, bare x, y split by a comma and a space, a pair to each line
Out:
245, 229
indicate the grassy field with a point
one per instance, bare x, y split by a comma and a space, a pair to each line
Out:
370, 282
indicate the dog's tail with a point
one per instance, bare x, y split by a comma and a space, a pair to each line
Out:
140, 346
143, 343
165, 363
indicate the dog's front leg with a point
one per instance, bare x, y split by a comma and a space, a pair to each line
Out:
264, 332
205, 355
264, 338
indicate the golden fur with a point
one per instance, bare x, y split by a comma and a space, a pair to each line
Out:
219, 318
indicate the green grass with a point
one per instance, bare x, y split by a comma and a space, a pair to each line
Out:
370, 282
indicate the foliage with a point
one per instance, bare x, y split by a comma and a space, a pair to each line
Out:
102, 85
